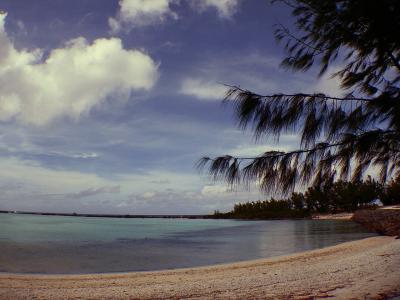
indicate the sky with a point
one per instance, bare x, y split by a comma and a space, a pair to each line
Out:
107, 105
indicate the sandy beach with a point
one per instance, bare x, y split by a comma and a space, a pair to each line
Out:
340, 216
364, 269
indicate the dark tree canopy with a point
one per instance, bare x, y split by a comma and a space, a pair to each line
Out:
341, 137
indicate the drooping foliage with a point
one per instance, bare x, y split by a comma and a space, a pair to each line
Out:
341, 137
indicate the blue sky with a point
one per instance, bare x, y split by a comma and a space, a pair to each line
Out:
106, 105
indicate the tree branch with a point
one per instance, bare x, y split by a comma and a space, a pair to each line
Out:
320, 96
394, 60
287, 32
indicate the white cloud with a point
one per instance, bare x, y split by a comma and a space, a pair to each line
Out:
225, 8
83, 155
53, 181
287, 142
148, 195
213, 190
94, 191
201, 89
329, 85
70, 81
172, 201
137, 13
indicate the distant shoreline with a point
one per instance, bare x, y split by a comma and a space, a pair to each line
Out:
339, 216
345, 216
128, 216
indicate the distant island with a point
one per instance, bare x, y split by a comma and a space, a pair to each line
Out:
108, 215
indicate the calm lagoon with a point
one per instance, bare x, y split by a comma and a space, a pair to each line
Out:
64, 245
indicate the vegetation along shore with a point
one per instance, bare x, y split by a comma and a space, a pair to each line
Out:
331, 198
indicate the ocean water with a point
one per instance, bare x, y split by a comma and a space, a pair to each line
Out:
63, 245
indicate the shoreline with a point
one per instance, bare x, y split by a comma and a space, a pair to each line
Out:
112, 216
357, 269
329, 216
339, 216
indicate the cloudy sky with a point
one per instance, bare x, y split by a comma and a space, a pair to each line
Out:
106, 105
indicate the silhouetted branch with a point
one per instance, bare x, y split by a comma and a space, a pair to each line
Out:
234, 89
394, 60
281, 172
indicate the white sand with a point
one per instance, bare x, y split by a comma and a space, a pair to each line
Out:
364, 269
340, 216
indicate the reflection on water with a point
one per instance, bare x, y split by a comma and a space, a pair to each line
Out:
43, 244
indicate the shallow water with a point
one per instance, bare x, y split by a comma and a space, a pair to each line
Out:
55, 244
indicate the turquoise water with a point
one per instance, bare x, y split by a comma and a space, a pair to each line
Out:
36, 228
55, 244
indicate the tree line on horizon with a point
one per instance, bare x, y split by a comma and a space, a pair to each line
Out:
333, 197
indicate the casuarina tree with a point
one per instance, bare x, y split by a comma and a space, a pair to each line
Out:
341, 138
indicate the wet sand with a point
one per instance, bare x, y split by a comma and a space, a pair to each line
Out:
364, 269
